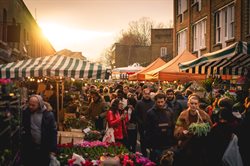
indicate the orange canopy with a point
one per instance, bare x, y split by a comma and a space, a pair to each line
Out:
140, 75
171, 72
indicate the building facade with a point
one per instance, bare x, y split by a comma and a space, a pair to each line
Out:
203, 26
126, 55
20, 35
161, 46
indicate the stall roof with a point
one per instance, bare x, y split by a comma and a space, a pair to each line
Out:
133, 68
232, 60
56, 65
140, 75
171, 72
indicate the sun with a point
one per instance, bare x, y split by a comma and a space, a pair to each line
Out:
62, 36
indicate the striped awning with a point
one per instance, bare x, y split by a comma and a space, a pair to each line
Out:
51, 66
232, 60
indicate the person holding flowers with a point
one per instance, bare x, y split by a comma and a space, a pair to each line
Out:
191, 129
117, 119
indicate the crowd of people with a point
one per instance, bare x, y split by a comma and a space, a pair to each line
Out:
160, 120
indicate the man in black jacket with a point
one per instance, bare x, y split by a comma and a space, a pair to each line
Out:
141, 109
173, 103
39, 136
159, 128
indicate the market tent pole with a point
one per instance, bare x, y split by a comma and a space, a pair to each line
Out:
62, 85
57, 100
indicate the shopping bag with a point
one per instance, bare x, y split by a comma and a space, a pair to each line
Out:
54, 161
109, 135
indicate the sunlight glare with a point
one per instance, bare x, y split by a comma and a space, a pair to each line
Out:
62, 36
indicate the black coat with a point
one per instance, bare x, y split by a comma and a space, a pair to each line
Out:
49, 131
141, 109
159, 128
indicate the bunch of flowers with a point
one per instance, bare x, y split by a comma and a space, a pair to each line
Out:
89, 150
5, 81
135, 159
93, 135
90, 153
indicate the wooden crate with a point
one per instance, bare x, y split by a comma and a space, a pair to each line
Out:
67, 137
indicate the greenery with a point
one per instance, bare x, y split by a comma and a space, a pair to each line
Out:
5, 156
77, 123
93, 135
207, 84
89, 153
233, 97
199, 129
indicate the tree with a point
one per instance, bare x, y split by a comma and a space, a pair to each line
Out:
138, 32
107, 57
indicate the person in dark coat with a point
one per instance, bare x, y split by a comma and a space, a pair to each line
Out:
97, 110
220, 136
244, 137
141, 109
173, 103
39, 134
159, 128
131, 126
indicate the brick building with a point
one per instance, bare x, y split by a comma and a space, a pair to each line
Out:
126, 55
20, 35
161, 46
202, 26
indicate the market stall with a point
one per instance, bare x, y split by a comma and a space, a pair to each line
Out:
56, 67
171, 72
125, 72
140, 75
232, 60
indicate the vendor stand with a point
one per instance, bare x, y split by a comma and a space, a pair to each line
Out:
56, 67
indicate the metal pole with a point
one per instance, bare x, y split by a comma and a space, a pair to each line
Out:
62, 83
57, 101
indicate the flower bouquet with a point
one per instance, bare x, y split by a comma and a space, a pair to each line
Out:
93, 153
93, 135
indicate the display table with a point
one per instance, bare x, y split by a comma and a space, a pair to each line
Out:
90, 153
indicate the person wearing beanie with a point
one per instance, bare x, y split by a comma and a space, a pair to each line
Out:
39, 133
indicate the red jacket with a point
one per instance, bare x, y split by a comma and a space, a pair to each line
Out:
114, 121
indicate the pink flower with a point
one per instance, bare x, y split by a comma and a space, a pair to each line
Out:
4, 81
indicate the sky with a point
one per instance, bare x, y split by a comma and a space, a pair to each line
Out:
91, 26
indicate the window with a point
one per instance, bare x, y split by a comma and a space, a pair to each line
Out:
198, 3
181, 41
231, 22
182, 6
199, 35
218, 27
224, 24
163, 51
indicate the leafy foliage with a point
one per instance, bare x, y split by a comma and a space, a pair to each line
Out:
207, 84
199, 129
77, 123
93, 135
